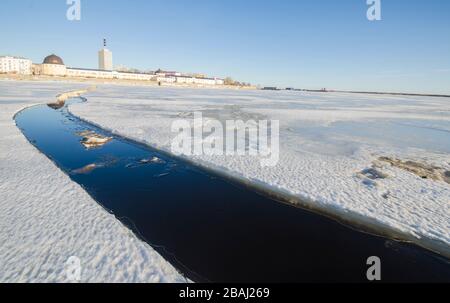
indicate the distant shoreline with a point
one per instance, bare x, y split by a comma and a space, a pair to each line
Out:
119, 81
369, 93
199, 86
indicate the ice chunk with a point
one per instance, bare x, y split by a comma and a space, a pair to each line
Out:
85, 170
93, 140
423, 170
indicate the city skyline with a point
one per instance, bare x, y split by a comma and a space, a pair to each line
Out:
306, 44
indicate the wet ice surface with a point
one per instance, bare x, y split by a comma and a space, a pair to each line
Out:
327, 140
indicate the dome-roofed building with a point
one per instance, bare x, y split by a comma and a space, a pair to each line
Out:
53, 59
51, 66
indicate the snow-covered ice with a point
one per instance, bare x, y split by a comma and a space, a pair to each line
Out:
330, 143
45, 218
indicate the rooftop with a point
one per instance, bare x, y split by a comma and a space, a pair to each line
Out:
53, 59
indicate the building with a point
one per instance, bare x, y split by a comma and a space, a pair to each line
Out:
185, 80
51, 66
135, 76
166, 79
205, 81
219, 81
163, 73
54, 66
195, 80
89, 73
15, 65
105, 60
103, 74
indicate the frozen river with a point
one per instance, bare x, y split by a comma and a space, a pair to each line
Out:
210, 228
330, 146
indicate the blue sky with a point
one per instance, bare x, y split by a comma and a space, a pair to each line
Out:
298, 43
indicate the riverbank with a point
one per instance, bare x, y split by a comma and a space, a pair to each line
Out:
92, 81
46, 218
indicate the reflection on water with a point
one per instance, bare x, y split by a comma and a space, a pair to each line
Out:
211, 229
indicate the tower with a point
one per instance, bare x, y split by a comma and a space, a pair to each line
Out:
105, 58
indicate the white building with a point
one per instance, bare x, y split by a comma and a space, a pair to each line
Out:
185, 80
54, 66
105, 59
135, 76
220, 81
166, 79
162, 73
15, 65
104, 74
203, 81
89, 73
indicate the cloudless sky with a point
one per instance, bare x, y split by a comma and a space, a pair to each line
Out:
297, 43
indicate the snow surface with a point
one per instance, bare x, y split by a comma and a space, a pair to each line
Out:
45, 218
327, 139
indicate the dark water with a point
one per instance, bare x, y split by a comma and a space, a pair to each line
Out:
213, 230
